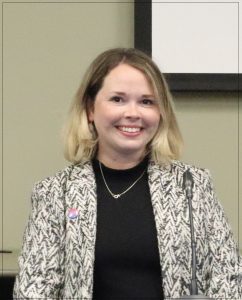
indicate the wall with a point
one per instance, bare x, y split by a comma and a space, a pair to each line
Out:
211, 123
46, 49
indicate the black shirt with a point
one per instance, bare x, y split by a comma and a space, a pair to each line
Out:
127, 263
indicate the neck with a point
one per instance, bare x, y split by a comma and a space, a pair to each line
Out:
120, 162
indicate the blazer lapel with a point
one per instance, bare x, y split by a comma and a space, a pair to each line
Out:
81, 231
171, 223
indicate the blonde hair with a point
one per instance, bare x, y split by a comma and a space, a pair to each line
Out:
81, 140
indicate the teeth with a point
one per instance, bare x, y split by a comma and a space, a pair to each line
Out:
130, 129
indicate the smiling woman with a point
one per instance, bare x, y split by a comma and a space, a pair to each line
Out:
128, 82
115, 223
125, 120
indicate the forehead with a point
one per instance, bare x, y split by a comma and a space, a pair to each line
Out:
128, 75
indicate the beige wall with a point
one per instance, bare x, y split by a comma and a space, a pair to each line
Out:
210, 126
47, 47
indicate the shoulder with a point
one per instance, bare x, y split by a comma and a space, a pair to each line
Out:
175, 170
181, 167
176, 166
57, 183
201, 176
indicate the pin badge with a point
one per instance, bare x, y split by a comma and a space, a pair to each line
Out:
72, 213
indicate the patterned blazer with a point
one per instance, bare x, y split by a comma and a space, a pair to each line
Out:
57, 259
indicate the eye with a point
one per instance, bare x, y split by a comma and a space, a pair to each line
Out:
147, 101
116, 99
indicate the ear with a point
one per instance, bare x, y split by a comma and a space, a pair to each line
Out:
90, 116
90, 111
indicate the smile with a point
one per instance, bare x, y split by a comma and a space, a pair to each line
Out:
129, 129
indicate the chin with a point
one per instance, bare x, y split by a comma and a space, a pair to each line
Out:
134, 149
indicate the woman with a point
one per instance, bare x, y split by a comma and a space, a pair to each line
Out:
115, 224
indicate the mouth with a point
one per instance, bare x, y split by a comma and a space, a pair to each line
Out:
129, 130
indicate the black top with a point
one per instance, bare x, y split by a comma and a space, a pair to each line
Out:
127, 263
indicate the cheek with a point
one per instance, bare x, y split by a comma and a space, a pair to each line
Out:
155, 119
156, 124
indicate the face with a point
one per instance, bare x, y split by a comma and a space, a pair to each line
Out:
125, 113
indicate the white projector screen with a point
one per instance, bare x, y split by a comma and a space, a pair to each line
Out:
195, 43
195, 37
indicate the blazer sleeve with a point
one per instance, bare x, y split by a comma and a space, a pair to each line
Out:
224, 281
42, 257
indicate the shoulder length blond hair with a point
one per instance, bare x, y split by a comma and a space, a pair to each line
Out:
81, 141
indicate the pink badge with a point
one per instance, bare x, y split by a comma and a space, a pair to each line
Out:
72, 213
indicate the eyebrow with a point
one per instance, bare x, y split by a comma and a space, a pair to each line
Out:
124, 94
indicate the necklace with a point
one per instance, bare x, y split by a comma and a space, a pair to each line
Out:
116, 196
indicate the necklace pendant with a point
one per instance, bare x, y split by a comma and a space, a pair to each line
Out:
116, 196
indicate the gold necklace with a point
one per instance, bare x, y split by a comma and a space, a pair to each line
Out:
116, 196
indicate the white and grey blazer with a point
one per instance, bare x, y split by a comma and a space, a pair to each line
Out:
57, 259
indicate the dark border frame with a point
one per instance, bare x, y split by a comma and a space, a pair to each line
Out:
179, 82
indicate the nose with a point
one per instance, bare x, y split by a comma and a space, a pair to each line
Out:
132, 111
